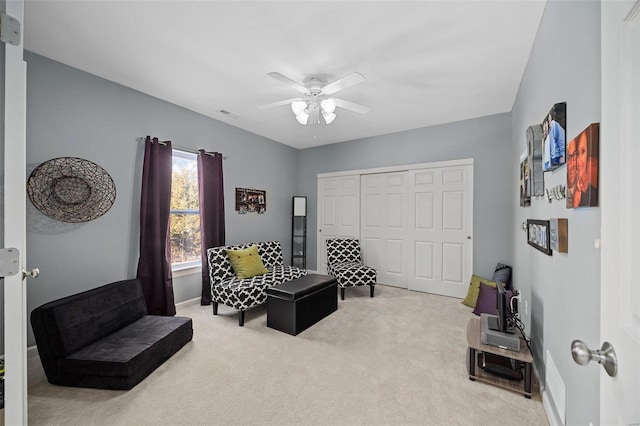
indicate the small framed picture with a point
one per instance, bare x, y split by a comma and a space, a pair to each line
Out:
538, 235
250, 200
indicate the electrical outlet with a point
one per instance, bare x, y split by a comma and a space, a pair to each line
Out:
526, 307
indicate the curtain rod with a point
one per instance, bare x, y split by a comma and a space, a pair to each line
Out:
192, 151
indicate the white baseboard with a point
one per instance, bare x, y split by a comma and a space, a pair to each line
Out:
189, 302
311, 271
32, 352
548, 409
547, 404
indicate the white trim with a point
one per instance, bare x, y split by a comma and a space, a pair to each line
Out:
32, 352
547, 403
181, 153
15, 293
451, 163
549, 409
311, 271
186, 271
187, 303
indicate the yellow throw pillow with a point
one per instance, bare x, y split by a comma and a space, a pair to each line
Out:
474, 289
246, 263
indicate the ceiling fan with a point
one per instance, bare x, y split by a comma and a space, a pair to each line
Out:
317, 99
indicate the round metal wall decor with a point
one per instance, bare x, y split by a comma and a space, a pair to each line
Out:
71, 189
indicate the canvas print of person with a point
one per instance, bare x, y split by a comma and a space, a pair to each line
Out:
582, 168
554, 128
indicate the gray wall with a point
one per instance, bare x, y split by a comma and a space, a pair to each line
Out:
485, 139
72, 113
563, 290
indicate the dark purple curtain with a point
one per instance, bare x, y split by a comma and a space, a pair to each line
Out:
211, 193
154, 266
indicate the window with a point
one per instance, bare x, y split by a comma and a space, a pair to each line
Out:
184, 225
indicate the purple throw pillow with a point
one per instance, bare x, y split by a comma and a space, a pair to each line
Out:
486, 303
487, 300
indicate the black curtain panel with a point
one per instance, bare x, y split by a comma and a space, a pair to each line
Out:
154, 266
211, 193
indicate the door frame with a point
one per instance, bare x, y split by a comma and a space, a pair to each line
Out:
387, 169
15, 297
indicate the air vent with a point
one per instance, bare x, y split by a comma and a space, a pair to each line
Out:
228, 113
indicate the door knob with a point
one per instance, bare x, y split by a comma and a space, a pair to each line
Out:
606, 356
32, 273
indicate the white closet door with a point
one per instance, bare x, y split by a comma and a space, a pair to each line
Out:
442, 224
385, 226
338, 212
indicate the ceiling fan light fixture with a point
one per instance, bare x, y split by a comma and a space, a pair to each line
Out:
328, 105
302, 118
298, 107
328, 117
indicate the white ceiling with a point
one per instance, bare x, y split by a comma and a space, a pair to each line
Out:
425, 62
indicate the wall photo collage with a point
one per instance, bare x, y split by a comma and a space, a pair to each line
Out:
547, 151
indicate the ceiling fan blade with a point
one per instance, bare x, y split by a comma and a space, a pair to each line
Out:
351, 106
291, 83
343, 83
276, 104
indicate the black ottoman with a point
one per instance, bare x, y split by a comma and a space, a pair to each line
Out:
296, 305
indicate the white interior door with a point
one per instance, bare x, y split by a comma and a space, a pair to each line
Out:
15, 311
441, 207
620, 203
385, 226
338, 212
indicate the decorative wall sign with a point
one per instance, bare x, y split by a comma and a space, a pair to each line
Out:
538, 235
556, 193
582, 168
71, 189
554, 128
250, 200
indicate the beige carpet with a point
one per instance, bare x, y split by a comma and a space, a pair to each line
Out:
396, 359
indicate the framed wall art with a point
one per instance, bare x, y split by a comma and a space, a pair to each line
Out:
249, 200
534, 148
525, 184
582, 168
559, 231
554, 128
538, 235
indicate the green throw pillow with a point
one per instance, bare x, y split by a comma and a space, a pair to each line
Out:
246, 263
474, 289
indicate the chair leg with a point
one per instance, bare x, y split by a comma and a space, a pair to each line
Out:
371, 287
342, 293
241, 319
215, 307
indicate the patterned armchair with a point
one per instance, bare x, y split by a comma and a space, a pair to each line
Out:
243, 294
345, 263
